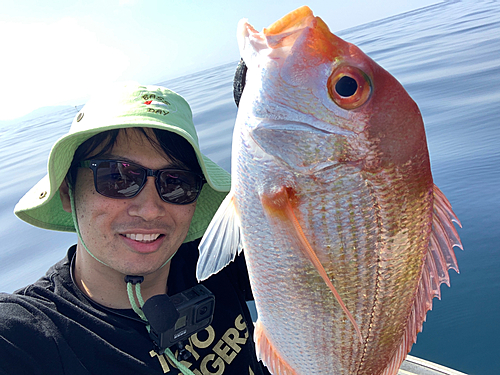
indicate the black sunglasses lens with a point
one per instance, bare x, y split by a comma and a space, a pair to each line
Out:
119, 179
179, 187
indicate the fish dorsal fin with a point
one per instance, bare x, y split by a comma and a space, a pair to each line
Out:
267, 353
439, 259
281, 204
221, 241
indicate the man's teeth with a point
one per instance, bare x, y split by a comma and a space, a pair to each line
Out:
143, 237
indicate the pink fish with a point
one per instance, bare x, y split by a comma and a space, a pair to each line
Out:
346, 237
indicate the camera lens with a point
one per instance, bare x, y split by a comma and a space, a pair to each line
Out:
205, 311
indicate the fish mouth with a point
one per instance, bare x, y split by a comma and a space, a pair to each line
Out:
283, 33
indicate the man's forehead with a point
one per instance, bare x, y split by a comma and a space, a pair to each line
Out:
125, 139
140, 146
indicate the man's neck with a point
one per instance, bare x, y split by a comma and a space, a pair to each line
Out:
108, 287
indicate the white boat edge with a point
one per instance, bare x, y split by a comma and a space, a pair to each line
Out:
417, 366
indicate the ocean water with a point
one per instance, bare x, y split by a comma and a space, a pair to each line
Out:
448, 58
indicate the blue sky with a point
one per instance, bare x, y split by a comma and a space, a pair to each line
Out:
57, 52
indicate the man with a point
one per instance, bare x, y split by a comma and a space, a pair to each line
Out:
130, 180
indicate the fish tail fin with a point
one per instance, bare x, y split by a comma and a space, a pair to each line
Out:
281, 204
221, 241
267, 353
439, 259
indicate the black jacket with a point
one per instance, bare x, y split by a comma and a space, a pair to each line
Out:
51, 327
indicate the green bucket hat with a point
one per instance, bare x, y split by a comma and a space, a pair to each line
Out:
122, 106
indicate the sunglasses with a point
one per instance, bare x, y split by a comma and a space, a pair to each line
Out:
122, 180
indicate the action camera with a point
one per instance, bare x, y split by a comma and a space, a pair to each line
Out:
173, 319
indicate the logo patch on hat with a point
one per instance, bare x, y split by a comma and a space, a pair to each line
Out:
156, 101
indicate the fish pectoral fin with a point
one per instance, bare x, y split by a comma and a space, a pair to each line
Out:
281, 204
221, 241
267, 353
439, 259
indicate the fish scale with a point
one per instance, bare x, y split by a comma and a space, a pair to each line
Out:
340, 260
346, 237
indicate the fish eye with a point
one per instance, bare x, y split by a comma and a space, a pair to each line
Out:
346, 86
349, 87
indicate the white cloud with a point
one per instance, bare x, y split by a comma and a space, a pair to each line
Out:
46, 64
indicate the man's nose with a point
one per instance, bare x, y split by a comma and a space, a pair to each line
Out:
148, 204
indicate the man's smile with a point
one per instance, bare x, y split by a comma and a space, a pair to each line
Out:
143, 237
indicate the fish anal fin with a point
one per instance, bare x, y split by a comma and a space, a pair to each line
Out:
439, 259
281, 204
268, 354
221, 241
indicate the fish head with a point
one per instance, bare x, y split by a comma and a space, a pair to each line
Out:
301, 73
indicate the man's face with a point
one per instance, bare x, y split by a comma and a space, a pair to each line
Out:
123, 233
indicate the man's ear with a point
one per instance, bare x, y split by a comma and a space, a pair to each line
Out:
64, 193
